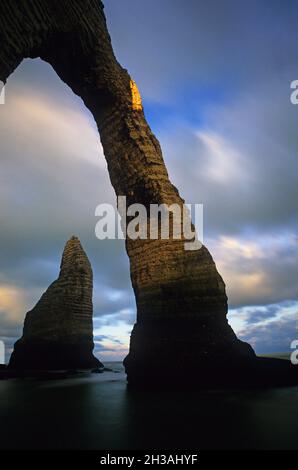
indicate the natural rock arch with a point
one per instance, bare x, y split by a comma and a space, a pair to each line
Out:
181, 299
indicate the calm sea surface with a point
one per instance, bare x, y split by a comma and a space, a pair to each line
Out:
98, 412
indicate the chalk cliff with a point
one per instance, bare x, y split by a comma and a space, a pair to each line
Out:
181, 325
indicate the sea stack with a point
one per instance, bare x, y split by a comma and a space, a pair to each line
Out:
58, 331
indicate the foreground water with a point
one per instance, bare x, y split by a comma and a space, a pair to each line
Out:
98, 412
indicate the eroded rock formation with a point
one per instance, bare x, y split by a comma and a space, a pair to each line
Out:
58, 331
181, 300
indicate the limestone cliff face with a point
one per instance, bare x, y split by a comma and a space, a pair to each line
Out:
180, 296
58, 331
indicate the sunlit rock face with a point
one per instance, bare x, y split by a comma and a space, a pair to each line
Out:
135, 96
58, 331
181, 327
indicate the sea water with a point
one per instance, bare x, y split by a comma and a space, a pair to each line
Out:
97, 411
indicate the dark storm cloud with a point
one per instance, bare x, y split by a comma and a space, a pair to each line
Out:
126, 315
221, 43
98, 338
259, 269
269, 328
245, 156
272, 337
107, 308
259, 315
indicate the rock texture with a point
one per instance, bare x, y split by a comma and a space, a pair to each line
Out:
58, 331
180, 296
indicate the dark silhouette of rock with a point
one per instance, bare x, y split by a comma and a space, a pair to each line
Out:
180, 296
58, 331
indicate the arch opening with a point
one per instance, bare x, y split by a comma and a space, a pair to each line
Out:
52, 177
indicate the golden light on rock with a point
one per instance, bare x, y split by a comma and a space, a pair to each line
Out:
135, 96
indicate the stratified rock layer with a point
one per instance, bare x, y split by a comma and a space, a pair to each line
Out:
58, 331
180, 296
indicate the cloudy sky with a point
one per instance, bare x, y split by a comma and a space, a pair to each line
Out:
215, 80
